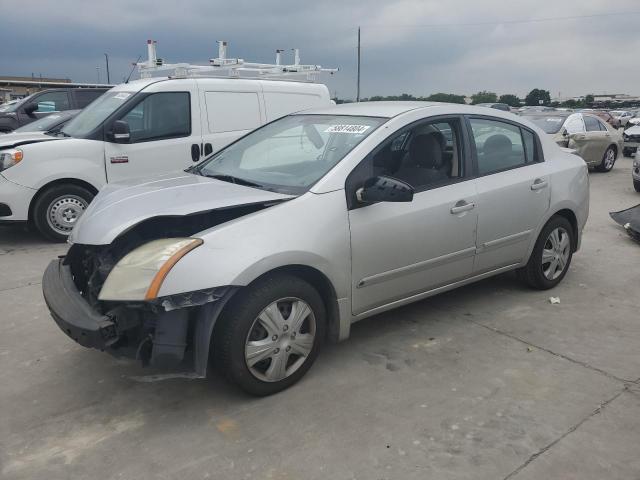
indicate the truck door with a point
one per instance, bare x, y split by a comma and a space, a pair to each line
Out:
164, 134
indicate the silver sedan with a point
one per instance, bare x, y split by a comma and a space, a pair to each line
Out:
282, 240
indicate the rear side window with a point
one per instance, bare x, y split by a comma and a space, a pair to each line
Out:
85, 97
159, 116
530, 146
499, 145
591, 124
232, 111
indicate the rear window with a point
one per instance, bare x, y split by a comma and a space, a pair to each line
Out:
550, 124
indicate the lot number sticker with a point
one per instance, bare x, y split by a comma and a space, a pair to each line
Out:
347, 129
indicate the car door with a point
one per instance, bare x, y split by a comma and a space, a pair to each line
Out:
165, 134
513, 191
598, 139
403, 249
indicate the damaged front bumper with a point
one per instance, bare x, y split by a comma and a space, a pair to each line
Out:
168, 333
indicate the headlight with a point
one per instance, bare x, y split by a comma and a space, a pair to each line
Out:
8, 158
140, 273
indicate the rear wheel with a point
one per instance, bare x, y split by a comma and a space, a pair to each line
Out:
58, 208
270, 334
608, 160
551, 255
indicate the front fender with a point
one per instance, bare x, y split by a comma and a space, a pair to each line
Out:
46, 162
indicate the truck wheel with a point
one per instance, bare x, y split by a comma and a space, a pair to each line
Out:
270, 333
636, 185
551, 255
58, 208
608, 160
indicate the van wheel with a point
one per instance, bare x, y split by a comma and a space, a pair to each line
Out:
269, 334
608, 160
58, 208
551, 255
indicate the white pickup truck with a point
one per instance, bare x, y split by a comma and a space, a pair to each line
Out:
137, 129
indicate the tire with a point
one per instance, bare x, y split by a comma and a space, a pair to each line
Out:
636, 185
608, 160
535, 273
274, 345
56, 210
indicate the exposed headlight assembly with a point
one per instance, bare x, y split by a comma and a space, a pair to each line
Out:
8, 158
139, 274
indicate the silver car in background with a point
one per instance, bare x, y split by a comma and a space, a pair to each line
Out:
593, 139
280, 241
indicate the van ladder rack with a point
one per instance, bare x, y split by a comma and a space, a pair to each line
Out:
231, 67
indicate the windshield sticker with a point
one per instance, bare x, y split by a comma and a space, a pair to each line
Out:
122, 96
347, 129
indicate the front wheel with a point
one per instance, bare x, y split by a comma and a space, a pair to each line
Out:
58, 208
636, 185
608, 160
551, 255
269, 334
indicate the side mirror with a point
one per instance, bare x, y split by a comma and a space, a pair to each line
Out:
384, 189
30, 108
120, 131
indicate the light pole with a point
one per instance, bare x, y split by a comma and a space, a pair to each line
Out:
106, 57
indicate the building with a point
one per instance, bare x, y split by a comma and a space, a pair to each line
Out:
19, 87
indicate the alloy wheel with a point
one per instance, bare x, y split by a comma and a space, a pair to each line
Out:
555, 254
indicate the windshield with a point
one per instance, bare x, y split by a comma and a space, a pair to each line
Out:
551, 124
290, 154
44, 124
97, 112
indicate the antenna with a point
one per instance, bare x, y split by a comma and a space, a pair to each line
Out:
223, 66
133, 68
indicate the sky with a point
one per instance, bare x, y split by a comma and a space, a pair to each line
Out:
408, 46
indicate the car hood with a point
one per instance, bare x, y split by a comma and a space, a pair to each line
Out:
633, 130
119, 207
12, 140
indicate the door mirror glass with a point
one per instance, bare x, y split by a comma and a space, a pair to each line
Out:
120, 131
384, 189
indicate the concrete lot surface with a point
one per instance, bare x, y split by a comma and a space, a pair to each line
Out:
487, 382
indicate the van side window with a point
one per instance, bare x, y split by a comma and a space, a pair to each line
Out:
232, 111
159, 116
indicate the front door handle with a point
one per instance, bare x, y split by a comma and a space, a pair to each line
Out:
208, 149
195, 152
539, 183
462, 206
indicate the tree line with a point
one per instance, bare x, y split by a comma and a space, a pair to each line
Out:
536, 96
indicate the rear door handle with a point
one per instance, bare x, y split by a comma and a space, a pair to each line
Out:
195, 152
539, 183
462, 206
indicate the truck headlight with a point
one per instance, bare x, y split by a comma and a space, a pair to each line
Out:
140, 273
8, 158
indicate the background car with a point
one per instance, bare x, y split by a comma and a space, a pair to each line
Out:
594, 140
607, 117
44, 103
498, 106
41, 130
622, 116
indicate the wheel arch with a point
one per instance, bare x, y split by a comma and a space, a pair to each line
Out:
573, 220
59, 181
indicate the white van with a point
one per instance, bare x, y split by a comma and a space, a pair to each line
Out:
137, 129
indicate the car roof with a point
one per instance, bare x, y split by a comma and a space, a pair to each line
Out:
393, 109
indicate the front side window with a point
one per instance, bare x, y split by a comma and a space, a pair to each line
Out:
290, 154
52, 102
159, 116
499, 145
96, 113
425, 156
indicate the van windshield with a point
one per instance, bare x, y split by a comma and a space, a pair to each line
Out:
290, 154
95, 113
